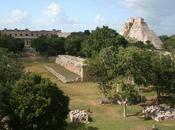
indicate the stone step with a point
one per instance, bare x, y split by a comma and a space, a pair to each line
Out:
62, 73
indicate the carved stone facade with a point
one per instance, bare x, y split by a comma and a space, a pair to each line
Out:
73, 64
138, 29
28, 35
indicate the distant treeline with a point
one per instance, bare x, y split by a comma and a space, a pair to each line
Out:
11, 44
168, 42
89, 43
86, 44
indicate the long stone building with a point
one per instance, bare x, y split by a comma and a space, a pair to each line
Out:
28, 35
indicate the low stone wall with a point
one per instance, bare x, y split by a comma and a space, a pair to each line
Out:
73, 64
59, 76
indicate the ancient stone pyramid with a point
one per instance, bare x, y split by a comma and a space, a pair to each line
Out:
137, 28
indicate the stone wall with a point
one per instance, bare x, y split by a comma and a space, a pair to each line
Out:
59, 76
73, 64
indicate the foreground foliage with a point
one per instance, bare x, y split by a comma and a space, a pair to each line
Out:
28, 100
38, 104
10, 71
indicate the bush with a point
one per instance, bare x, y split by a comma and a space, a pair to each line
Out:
37, 104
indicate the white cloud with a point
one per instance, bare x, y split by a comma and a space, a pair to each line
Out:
99, 20
53, 10
159, 13
16, 16
55, 15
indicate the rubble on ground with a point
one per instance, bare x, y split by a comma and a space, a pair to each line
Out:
4, 123
79, 116
159, 112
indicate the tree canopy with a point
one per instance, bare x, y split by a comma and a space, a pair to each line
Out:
12, 44
102, 38
169, 43
37, 103
74, 41
49, 46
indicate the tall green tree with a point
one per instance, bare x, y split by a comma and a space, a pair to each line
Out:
49, 46
10, 71
74, 41
41, 45
169, 44
164, 73
37, 104
117, 69
101, 69
12, 44
102, 38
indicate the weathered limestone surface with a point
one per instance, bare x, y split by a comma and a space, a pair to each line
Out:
138, 29
59, 76
159, 112
4, 123
79, 116
73, 64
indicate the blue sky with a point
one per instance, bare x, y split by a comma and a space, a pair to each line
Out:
78, 15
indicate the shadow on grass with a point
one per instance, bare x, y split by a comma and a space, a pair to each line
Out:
78, 126
136, 114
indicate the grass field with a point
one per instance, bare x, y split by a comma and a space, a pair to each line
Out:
105, 117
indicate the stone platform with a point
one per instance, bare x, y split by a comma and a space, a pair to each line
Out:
62, 73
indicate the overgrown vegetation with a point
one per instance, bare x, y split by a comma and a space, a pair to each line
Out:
11, 44
126, 68
119, 67
84, 44
29, 101
168, 43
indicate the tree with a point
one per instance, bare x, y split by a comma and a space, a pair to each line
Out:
12, 44
74, 41
102, 38
41, 45
16, 46
49, 46
164, 73
117, 69
163, 38
126, 66
101, 69
10, 71
142, 45
169, 44
56, 46
37, 104
126, 92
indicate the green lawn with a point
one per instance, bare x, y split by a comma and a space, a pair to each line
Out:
105, 117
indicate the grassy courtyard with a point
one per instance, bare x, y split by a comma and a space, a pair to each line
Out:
104, 117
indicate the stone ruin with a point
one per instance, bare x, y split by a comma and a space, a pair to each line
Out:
73, 64
4, 123
159, 112
79, 116
137, 28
